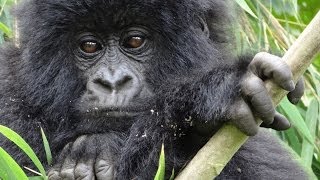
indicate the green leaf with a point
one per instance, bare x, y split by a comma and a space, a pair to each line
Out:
243, 4
21, 143
36, 178
311, 121
9, 168
296, 119
172, 175
162, 169
4, 173
293, 140
10, 2
46, 147
6, 30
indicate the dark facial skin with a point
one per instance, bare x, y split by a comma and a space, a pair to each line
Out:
114, 69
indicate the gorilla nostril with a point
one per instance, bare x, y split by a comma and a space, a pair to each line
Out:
104, 83
113, 82
123, 81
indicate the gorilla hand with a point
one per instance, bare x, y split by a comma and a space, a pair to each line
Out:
256, 102
89, 157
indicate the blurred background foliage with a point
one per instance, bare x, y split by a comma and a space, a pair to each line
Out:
266, 25
6, 21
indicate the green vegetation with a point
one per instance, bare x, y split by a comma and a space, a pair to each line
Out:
6, 21
9, 169
162, 166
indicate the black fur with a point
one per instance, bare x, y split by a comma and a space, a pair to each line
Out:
190, 77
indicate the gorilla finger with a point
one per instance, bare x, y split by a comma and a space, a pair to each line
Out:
295, 95
67, 169
256, 94
64, 153
54, 174
79, 143
84, 170
280, 123
243, 119
274, 68
104, 170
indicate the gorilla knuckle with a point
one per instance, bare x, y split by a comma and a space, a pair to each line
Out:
54, 175
260, 56
103, 165
283, 71
252, 85
67, 173
104, 170
83, 171
242, 117
252, 131
241, 110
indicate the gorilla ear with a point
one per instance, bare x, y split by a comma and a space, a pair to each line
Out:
204, 27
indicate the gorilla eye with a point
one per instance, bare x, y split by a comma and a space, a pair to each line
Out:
90, 47
134, 42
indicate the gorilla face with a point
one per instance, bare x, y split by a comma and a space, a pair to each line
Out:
115, 56
114, 67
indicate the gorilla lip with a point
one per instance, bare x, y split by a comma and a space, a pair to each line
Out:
120, 113
113, 112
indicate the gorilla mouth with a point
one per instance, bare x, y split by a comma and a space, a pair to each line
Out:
119, 113
116, 112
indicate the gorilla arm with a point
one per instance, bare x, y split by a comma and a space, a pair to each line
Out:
233, 94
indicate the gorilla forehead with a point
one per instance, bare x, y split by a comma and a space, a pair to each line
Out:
38, 17
106, 9
111, 12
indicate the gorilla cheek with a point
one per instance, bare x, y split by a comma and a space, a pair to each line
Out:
112, 87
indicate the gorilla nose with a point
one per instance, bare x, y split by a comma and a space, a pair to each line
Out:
112, 87
117, 80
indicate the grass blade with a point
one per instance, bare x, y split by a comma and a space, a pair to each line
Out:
162, 169
293, 140
8, 166
6, 30
243, 4
46, 147
21, 143
36, 178
311, 121
296, 119
172, 175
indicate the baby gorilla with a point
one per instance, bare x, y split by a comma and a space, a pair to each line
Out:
111, 81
